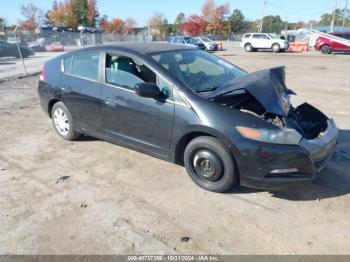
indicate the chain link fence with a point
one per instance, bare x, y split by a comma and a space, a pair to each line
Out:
25, 52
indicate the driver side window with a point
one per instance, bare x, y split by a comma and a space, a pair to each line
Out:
124, 72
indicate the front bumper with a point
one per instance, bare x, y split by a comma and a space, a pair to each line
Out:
258, 162
285, 46
212, 47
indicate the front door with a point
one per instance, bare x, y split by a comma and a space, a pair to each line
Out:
140, 122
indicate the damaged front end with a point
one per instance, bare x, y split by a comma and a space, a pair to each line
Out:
265, 95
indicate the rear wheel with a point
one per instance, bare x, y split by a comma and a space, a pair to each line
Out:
210, 165
63, 122
326, 49
248, 48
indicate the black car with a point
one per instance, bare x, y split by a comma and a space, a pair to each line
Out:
192, 108
11, 50
186, 40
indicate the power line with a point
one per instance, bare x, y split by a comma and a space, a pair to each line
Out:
284, 10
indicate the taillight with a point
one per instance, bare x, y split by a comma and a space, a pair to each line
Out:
43, 75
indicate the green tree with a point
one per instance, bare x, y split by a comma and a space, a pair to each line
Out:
180, 18
326, 19
273, 24
2, 24
166, 28
80, 13
236, 21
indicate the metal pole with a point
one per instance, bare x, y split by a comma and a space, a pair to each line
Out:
345, 13
286, 29
333, 18
19, 51
262, 18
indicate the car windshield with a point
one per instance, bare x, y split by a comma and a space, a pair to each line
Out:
206, 39
187, 39
274, 36
198, 70
195, 40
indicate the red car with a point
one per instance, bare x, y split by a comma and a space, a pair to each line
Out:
329, 45
55, 47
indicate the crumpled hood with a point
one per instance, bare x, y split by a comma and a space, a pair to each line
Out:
267, 86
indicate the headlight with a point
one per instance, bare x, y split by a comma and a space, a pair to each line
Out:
285, 136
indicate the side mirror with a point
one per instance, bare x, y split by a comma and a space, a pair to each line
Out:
149, 90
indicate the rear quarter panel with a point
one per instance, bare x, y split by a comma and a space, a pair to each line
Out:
49, 89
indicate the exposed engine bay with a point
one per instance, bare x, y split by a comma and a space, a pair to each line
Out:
265, 95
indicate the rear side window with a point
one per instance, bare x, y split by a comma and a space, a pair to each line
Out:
86, 65
247, 35
259, 36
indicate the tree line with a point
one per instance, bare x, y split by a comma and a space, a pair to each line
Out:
214, 19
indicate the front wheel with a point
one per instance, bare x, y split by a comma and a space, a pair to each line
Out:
210, 164
276, 48
63, 122
248, 48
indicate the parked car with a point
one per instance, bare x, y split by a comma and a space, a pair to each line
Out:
186, 40
192, 108
252, 42
38, 45
11, 50
55, 47
209, 44
328, 45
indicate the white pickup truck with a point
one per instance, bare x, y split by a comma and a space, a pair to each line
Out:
254, 41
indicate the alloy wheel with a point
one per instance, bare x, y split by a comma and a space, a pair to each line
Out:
61, 121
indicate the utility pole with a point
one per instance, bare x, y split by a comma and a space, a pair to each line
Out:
19, 50
286, 29
345, 13
263, 15
333, 18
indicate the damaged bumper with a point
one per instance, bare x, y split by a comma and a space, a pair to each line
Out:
322, 147
269, 166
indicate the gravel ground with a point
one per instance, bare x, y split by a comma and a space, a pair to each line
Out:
11, 67
118, 201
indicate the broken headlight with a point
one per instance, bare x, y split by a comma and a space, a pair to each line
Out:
283, 136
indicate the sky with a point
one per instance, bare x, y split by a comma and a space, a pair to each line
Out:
142, 10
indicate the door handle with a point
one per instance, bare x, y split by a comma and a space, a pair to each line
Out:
110, 102
66, 89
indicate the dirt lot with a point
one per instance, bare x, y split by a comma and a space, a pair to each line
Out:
118, 201
10, 66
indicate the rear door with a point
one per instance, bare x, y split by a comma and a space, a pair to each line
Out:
81, 90
256, 41
136, 121
265, 41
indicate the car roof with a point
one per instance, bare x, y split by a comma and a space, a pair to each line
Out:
143, 48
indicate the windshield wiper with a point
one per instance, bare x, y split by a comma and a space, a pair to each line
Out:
208, 89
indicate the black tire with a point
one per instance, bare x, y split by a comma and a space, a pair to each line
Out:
60, 111
326, 50
248, 47
210, 164
276, 48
